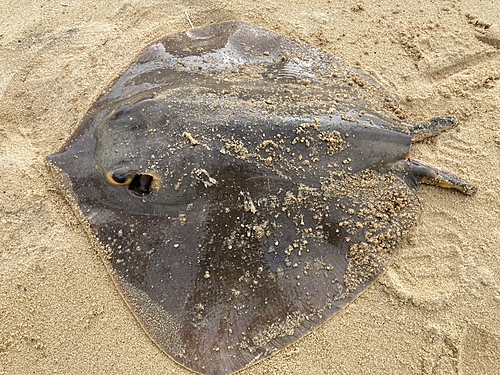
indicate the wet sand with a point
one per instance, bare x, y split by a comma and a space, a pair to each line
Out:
435, 311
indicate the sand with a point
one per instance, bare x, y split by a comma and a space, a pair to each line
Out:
435, 311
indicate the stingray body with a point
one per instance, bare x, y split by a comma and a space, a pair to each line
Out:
244, 188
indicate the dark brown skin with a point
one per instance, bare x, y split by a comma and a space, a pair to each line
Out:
244, 187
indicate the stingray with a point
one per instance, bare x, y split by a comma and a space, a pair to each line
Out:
242, 188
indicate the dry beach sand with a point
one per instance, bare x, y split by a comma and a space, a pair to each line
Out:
435, 311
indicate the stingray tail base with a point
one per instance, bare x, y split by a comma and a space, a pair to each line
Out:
417, 172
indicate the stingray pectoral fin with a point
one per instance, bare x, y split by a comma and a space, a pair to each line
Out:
428, 129
417, 172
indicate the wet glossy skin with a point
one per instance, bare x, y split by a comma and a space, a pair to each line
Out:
244, 187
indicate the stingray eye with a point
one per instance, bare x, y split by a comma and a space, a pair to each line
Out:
141, 185
120, 177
